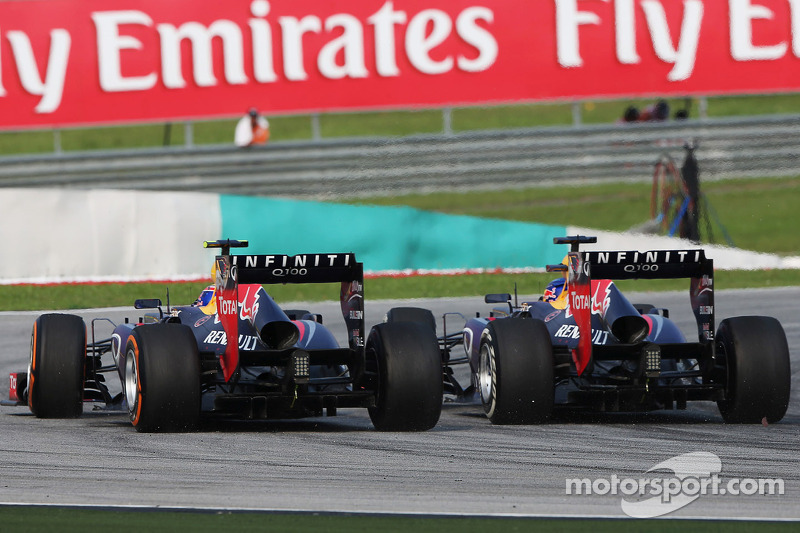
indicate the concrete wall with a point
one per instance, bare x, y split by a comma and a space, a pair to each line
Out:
59, 235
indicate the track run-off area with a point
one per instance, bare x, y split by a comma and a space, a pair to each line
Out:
464, 466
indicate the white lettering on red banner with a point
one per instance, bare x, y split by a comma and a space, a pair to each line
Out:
67, 62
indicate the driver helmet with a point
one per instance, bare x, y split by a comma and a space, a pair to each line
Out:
554, 290
206, 296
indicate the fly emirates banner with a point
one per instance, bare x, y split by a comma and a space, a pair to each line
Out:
74, 62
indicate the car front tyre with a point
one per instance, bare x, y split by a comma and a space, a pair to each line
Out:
57, 365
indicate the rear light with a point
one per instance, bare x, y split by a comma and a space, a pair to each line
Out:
652, 360
299, 366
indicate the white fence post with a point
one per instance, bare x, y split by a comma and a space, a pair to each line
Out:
577, 119
316, 132
188, 134
447, 121
57, 141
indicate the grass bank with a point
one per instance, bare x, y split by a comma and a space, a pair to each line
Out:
60, 297
759, 214
79, 520
381, 123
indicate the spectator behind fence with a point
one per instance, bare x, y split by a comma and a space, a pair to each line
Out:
657, 112
251, 129
631, 114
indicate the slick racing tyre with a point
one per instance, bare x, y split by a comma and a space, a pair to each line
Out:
162, 378
516, 371
56, 371
409, 393
412, 314
756, 358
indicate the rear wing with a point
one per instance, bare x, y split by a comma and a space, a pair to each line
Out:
233, 270
583, 266
654, 264
664, 264
303, 268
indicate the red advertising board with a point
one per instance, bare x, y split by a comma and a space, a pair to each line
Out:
70, 62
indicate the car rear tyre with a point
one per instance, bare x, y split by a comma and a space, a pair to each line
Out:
516, 372
162, 378
412, 314
409, 368
756, 357
56, 372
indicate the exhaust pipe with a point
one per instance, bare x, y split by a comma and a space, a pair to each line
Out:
624, 321
630, 329
271, 324
279, 334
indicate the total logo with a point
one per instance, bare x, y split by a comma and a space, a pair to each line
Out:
581, 301
228, 307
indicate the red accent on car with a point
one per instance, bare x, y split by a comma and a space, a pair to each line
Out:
228, 312
301, 328
649, 323
580, 302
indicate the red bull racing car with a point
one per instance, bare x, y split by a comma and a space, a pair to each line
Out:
178, 366
590, 348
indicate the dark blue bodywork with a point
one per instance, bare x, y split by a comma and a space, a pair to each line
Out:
212, 342
564, 331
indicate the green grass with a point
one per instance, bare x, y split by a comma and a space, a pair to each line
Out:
36, 298
26, 142
383, 123
79, 520
759, 214
733, 106
511, 116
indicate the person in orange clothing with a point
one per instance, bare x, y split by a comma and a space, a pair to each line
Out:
252, 129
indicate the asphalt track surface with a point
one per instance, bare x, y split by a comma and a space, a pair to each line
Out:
465, 466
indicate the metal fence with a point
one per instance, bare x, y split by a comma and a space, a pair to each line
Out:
743, 147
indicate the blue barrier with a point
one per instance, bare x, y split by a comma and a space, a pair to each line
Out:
388, 238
